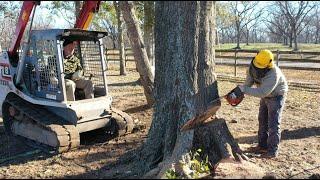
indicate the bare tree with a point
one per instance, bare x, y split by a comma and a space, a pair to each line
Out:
106, 20
306, 32
120, 39
278, 25
244, 13
9, 12
148, 29
295, 13
139, 51
315, 25
65, 9
224, 21
249, 27
41, 22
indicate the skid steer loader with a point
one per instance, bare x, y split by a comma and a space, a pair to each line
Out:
33, 98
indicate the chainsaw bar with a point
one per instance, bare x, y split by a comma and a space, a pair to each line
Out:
200, 118
234, 97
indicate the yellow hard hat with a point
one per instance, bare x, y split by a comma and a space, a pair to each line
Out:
264, 59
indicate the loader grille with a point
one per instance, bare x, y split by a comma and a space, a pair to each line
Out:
41, 71
47, 65
91, 60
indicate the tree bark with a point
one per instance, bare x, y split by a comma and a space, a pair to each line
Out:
247, 38
291, 39
185, 79
139, 51
120, 39
295, 39
185, 84
238, 35
148, 28
215, 139
317, 36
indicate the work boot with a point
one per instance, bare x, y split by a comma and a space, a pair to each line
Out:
257, 150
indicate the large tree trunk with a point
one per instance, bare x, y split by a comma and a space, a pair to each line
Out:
185, 84
148, 29
120, 39
185, 80
139, 51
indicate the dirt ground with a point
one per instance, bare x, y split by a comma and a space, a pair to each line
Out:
96, 157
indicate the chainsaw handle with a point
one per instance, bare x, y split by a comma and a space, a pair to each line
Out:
235, 96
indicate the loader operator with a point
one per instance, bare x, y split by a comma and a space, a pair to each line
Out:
272, 88
74, 73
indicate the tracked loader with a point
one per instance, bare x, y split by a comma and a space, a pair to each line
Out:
33, 98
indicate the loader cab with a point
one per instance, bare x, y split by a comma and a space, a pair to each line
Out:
43, 74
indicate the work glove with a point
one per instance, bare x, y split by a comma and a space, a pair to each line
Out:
235, 96
77, 75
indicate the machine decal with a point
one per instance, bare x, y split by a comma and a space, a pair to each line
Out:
4, 83
51, 96
5, 72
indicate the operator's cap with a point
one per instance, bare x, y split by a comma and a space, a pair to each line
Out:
67, 42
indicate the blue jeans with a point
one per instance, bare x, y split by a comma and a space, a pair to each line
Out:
269, 133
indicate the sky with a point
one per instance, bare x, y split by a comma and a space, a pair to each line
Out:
59, 22
43, 14
56, 22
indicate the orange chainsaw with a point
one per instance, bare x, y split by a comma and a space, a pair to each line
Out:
234, 98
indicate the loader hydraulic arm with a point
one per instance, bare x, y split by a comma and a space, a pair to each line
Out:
21, 25
85, 16
83, 21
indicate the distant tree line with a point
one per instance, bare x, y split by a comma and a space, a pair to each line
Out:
287, 22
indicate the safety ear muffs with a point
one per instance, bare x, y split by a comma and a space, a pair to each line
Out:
269, 63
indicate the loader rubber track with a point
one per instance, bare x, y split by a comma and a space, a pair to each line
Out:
38, 118
123, 121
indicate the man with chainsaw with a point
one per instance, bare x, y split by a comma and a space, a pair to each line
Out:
74, 73
272, 88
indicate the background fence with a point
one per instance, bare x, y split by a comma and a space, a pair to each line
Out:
112, 55
298, 60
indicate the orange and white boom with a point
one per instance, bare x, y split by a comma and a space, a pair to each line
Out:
21, 25
86, 14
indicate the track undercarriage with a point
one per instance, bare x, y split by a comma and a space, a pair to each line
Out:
36, 123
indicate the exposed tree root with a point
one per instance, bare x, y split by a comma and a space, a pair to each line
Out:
216, 142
